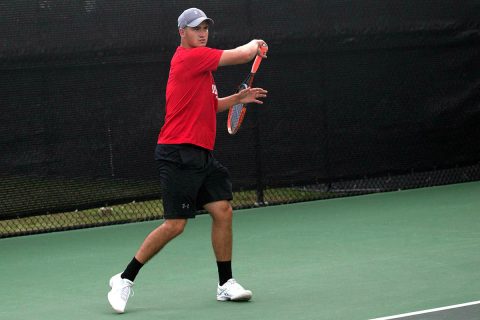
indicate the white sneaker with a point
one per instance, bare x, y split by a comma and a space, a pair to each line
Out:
231, 290
121, 291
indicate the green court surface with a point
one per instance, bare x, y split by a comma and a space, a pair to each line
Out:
349, 258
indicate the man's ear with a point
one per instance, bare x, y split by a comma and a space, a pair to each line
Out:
181, 31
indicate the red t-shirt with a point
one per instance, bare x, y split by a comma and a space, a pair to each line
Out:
192, 98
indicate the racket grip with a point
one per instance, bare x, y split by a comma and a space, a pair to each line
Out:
258, 59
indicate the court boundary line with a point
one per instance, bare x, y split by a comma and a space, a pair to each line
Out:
428, 311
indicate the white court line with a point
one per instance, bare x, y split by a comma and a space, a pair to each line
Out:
428, 311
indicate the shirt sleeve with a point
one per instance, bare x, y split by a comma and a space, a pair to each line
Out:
203, 59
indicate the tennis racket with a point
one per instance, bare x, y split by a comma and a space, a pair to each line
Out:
237, 112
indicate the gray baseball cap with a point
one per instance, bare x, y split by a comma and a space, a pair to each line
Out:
192, 17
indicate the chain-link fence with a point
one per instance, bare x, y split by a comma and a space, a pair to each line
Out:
134, 211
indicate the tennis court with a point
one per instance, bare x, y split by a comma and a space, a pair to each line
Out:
361, 257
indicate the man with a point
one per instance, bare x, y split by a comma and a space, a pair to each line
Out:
190, 176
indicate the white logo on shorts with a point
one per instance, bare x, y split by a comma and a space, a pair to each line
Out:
185, 206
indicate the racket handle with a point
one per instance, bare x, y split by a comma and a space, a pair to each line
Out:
258, 59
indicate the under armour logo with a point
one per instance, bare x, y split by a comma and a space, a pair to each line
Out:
185, 206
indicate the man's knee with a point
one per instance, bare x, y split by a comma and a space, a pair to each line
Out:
220, 211
174, 227
226, 208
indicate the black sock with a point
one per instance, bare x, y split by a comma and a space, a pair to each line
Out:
132, 270
224, 271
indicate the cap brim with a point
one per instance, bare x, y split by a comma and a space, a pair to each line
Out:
197, 21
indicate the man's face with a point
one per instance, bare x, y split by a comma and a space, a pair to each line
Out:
193, 37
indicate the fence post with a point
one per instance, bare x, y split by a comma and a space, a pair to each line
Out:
260, 183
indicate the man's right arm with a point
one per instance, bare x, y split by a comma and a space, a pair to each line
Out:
242, 54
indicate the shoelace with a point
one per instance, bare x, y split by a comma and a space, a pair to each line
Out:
229, 285
231, 281
126, 292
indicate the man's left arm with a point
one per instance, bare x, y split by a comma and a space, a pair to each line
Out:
248, 95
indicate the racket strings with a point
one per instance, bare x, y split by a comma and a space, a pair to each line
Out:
236, 115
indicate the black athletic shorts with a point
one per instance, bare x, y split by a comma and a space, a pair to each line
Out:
190, 177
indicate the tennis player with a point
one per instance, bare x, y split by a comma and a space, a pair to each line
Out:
191, 178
